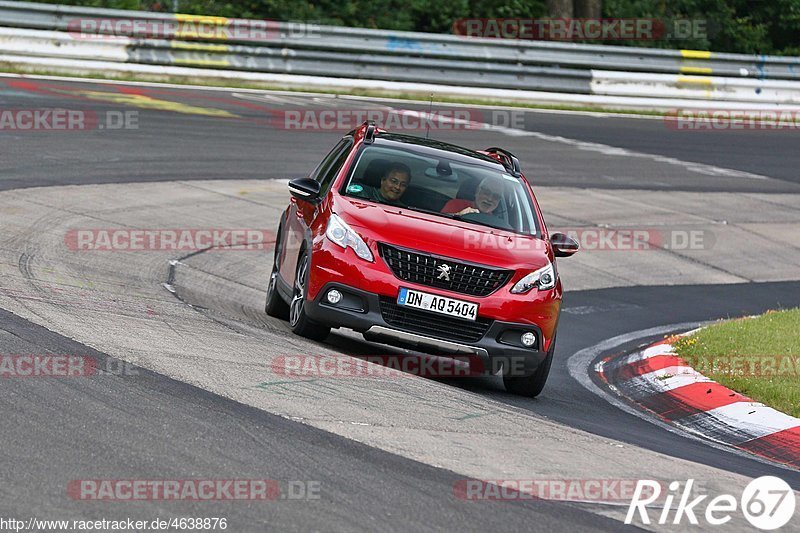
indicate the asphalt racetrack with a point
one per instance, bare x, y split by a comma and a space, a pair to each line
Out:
200, 400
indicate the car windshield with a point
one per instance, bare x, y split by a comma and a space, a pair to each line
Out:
452, 187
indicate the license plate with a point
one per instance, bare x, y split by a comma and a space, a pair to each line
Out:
437, 304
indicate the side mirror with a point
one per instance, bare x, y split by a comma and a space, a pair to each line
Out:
563, 246
305, 189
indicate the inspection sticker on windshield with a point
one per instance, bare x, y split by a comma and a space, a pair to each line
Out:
437, 304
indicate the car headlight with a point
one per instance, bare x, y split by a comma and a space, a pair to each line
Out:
543, 279
340, 233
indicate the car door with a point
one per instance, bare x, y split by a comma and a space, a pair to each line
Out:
301, 214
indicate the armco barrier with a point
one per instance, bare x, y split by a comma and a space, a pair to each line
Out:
428, 45
306, 62
325, 53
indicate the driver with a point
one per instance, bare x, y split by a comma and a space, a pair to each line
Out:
487, 198
393, 185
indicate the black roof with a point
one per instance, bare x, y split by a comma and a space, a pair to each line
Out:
430, 145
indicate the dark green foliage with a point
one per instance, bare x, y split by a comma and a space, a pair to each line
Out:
744, 26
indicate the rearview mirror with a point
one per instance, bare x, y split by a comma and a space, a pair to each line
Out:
563, 246
305, 189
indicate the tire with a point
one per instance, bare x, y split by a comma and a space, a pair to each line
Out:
298, 320
275, 306
531, 386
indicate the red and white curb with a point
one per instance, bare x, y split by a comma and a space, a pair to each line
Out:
660, 382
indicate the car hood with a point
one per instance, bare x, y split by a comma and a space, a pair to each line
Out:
438, 235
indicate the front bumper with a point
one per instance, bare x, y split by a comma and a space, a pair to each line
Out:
361, 311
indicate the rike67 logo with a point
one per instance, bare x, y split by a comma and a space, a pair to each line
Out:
767, 502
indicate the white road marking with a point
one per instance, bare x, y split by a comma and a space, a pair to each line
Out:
754, 418
650, 351
670, 378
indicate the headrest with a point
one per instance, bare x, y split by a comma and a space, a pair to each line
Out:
374, 172
468, 189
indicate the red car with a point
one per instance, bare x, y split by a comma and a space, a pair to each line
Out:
418, 243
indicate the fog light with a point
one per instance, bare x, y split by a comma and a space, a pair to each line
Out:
334, 296
528, 339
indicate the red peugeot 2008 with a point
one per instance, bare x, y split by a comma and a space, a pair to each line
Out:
418, 243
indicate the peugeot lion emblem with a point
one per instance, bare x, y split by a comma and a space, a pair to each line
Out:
444, 272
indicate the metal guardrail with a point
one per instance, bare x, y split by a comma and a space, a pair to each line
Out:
297, 62
437, 46
402, 57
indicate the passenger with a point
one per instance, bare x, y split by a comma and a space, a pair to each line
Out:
393, 185
487, 198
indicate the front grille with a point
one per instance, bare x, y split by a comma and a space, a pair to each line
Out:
426, 269
433, 324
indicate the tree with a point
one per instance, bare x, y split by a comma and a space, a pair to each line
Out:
588, 9
560, 9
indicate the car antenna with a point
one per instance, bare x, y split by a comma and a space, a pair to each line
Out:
428, 122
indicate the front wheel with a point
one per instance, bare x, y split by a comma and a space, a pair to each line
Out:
298, 320
275, 305
531, 386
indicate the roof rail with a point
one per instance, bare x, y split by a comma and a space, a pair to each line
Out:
369, 135
510, 161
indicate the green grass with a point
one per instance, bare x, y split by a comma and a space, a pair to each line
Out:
758, 357
219, 82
